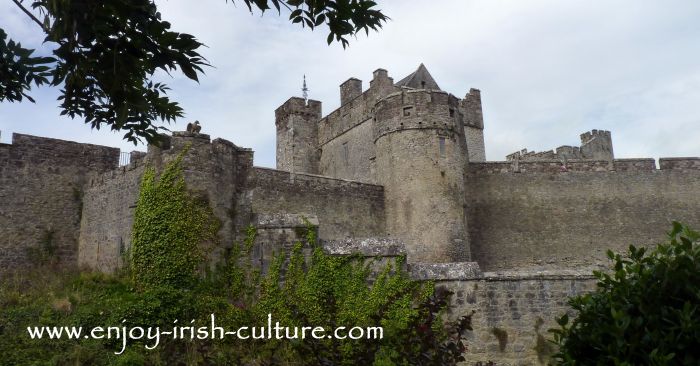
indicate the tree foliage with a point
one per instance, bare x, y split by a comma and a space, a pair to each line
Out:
646, 312
105, 55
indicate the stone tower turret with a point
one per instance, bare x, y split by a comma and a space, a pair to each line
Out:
297, 135
470, 107
597, 145
420, 160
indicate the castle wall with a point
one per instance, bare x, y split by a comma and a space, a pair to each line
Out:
513, 313
41, 189
343, 208
108, 215
533, 215
351, 155
215, 171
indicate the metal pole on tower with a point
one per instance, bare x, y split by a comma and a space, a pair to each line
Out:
305, 90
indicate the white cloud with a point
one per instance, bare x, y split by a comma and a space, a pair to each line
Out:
548, 70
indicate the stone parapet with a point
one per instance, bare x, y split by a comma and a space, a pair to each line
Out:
679, 163
556, 166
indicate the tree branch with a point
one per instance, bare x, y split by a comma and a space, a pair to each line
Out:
34, 18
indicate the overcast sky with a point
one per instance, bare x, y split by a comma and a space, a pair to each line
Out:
548, 70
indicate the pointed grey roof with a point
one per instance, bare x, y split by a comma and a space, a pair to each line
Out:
419, 79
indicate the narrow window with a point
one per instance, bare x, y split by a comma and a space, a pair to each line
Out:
422, 84
441, 142
452, 112
346, 152
407, 111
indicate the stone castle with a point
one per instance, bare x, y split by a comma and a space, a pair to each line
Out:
398, 168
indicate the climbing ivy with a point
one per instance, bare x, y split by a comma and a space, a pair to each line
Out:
170, 226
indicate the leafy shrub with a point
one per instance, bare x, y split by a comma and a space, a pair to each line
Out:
334, 291
646, 312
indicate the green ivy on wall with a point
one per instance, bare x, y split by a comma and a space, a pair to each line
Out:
169, 229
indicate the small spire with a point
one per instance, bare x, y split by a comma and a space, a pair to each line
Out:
305, 90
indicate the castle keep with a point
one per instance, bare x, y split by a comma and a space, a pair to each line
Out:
411, 138
399, 167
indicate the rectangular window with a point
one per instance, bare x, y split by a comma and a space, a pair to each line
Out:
407, 111
441, 142
452, 112
346, 152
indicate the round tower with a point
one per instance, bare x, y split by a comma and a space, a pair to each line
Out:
421, 156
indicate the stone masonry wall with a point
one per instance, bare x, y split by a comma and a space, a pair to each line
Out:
345, 136
108, 215
343, 208
513, 313
41, 189
215, 171
351, 155
534, 215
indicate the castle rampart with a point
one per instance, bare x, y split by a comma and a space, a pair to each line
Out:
41, 190
547, 218
595, 145
107, 217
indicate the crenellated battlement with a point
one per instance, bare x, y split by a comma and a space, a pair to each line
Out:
557, 167
595, 145
418, 109
297, 106
587, 137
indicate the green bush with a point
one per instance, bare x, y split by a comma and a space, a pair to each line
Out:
334, 291
646, 312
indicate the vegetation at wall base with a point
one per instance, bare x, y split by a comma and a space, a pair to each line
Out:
299, 289
646, 312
